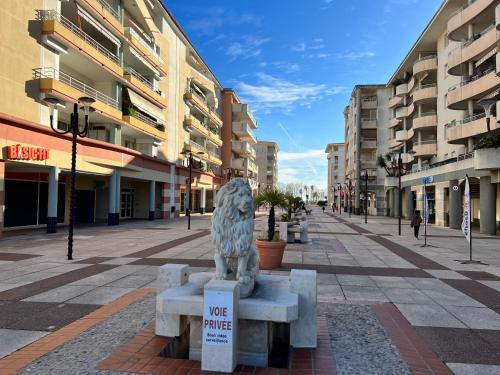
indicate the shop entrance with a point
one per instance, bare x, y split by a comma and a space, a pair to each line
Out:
85, 206
127, 204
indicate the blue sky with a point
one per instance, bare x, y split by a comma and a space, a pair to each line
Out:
297, 61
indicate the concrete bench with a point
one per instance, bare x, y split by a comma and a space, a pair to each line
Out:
287, 232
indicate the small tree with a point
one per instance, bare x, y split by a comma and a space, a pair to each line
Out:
273, 198
388, 164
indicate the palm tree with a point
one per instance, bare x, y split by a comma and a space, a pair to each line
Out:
273, 198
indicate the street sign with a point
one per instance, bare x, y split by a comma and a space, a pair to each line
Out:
428, 179
455, 188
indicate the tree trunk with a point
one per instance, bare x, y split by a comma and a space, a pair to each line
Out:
270, 224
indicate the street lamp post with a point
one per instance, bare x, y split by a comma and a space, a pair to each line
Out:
75, 131
188, 186
399, 169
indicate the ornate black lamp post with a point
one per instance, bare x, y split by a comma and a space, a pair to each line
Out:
76, 132
189, 153
366, 196
399, 169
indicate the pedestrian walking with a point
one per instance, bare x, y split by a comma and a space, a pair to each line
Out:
416, 220
333, 207
323, 208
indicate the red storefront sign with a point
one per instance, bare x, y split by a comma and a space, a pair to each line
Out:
18, 152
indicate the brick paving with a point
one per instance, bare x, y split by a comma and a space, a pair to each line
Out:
451, 310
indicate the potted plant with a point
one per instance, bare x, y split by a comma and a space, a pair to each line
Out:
270, 248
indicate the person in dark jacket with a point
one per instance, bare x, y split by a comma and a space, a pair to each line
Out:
416, 220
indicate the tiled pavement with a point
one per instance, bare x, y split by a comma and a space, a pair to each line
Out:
454, 308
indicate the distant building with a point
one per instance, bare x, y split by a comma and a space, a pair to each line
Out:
267, 162
366, 136
238, 149
336, 171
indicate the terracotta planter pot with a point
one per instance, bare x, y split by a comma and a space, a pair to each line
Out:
270, 253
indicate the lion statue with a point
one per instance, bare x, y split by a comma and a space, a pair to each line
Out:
236, 257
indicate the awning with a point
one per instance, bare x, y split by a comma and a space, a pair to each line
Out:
139, 57
146, 106
91, 20
486, 57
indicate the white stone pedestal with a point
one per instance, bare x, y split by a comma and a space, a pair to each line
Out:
219, 345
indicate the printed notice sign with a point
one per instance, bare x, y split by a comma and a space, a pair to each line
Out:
218, 318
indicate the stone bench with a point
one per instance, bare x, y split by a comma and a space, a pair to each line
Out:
275, 300
287, 232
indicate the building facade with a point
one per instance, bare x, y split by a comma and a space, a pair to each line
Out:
238, 149
366, 136
267, 163
438, 117
336, 172
155, 101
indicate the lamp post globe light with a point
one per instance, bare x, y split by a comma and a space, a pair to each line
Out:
189, 154
74, 129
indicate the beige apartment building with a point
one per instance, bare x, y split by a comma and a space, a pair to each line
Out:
366, 136
336, 172
238, 149
155, 101
267, 163
438, 117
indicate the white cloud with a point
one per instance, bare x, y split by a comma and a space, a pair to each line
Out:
208, 20
355, 55
247, 47
303, 46
278, 93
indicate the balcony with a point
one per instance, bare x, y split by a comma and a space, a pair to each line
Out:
411, 84
394, 122
244, 131
458, 132
402, 89
243, 164
369, 143
403, 112
200, 103
243, 112
70, 35
368, 163
425, 94
68, 88
404, 135
145, 50
393, 143
367, 123
425, 148
477, 87
425, 65
207, 155
395, 101
146, 125
458, 24
208, 131
110, 16
425, 121
144, 87
243, 149
472, 50
369, 103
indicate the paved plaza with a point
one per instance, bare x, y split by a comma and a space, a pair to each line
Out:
419, 304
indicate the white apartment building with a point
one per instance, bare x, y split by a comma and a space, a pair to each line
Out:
336, 171
267, 164
438, 119
366, 136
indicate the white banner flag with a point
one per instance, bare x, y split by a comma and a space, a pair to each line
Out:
467, 211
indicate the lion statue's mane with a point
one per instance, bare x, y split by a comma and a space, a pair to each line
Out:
232, 234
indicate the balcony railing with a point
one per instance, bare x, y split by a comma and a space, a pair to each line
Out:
472, 78
110, 9
52, 15
145, 44
76, 84
456, 159
465, 120
204, 149
147, 120
425, 114
145, 81
424, 58
426, 142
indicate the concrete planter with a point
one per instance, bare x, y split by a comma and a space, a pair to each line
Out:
487, 158
270, 253
391, 182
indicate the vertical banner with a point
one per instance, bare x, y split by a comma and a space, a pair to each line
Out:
426, 208
467, 212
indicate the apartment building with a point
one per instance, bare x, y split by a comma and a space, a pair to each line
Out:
438, 116
366, 136
155, 101
336, 172
238, 149
267, 163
